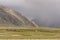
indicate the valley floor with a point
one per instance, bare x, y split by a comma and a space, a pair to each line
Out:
29, 33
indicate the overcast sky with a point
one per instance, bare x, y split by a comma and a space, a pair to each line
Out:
47, 10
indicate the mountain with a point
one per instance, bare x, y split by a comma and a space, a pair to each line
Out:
11, 17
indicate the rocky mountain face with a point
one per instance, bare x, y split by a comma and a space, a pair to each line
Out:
8, 16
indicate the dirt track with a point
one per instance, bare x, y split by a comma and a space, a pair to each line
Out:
29, 39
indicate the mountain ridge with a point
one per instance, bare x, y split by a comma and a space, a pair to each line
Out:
11, 16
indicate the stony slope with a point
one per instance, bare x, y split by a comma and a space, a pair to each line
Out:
8, 16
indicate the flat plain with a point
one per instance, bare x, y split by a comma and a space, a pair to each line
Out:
29, 33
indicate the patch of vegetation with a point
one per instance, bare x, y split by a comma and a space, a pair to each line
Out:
35, 33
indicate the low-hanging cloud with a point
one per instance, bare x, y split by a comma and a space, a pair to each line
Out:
46, 11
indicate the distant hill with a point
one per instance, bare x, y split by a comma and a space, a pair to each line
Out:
9, 16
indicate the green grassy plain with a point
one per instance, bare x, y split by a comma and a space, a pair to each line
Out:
29, 33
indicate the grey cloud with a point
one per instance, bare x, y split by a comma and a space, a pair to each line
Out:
48, 11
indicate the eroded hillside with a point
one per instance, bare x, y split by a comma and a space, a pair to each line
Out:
8, 16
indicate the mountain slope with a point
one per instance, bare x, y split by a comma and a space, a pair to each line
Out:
8, 16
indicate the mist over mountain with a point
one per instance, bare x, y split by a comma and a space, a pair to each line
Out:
43, 12
9, 16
